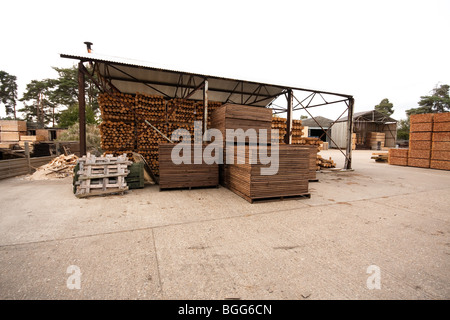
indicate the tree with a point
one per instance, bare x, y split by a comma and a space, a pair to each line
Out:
65, 91
70, 116
403, 129
438, 101
385, 107
8, 93
40, 108
45, 98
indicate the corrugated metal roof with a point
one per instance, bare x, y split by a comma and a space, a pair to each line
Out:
324, 122
371, 115
131, 76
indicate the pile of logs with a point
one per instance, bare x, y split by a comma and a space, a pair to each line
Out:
124, 129
280, 124
117, 135
117, 107
324, 163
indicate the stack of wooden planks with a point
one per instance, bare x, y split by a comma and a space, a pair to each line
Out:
11, 132
185, 175
440, 149
421, 128
313, 150
101, 175
429, 143
233, 116
398, 157
291, 180
380, 156
375, 140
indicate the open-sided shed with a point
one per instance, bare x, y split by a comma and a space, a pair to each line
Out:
363, 124
113, 75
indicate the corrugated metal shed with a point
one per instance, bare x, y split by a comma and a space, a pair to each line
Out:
363, 123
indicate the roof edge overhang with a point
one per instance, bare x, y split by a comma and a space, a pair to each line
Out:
140, 65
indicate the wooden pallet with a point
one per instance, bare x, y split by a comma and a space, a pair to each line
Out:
102, 175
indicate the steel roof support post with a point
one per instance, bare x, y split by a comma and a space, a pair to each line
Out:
290, 103
348, 158
205, 108
82, 108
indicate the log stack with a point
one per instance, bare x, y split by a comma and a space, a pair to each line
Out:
117, 129
324, 163
124, 130
153, 109
421, 128
280, 124
297, 132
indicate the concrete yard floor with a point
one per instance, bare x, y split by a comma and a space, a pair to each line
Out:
212, 244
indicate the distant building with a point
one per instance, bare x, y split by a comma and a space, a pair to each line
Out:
363, 124
317, 126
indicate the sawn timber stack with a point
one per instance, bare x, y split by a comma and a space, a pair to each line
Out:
185, 175
291, 179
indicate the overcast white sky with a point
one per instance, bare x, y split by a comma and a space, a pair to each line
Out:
398, 50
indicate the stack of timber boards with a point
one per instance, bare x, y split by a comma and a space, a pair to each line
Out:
101, 175
440, 151
172, 176
375, 140
313, 149
235, 116
398, 157
421, 128
291, 180
11, 132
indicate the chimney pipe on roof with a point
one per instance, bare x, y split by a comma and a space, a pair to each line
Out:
88, 45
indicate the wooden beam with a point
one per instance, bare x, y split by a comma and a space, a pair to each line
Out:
82, 109
348, 156
288, 136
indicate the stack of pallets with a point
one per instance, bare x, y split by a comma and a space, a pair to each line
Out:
101, 175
